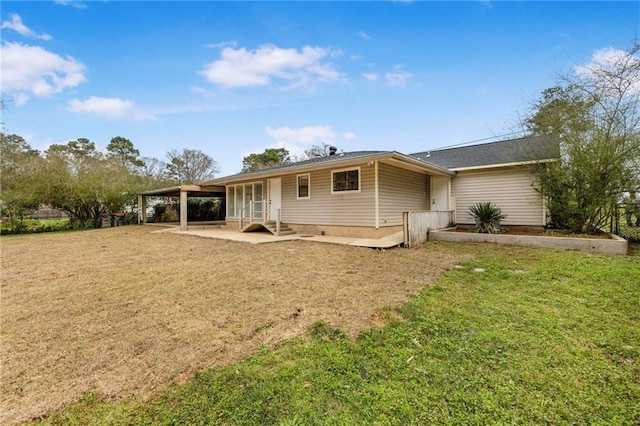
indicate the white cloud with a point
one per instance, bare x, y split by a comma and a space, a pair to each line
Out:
610, 61
17, 25
600, 59
364, 35
222, 44
297, 139
302, 135
243, 68
20, 98
106, 107
109, 108
71, 3
371, 76
397, 79
348, 136
34, 70
202, 91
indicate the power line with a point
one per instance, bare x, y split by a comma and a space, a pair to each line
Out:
480, 140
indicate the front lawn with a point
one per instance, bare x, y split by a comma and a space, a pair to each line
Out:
511, 336
123, 311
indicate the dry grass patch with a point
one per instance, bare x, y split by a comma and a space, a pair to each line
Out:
122, 311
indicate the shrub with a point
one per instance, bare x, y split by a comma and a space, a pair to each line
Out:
36, 227
487, 217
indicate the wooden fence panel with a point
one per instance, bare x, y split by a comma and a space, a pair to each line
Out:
418, 224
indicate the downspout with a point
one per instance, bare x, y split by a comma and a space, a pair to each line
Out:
376, 196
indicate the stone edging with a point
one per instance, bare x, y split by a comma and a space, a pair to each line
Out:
615, 245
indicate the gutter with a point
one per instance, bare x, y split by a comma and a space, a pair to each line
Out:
495, 166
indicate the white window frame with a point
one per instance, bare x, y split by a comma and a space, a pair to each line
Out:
347, 191
308, 176
234, 188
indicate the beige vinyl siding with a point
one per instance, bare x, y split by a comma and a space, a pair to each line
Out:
399, 191
325, 208
509, 188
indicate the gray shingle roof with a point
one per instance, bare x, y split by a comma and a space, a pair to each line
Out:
503, 152
531, 148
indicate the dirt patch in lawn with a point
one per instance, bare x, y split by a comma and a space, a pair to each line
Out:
122, 311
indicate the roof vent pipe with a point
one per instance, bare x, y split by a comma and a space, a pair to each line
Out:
333, 150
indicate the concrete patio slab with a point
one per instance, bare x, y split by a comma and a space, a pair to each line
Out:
389, 241
237, 236
222, 233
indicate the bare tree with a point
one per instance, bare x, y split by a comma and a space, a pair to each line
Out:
191, 166
323, 150
595, 115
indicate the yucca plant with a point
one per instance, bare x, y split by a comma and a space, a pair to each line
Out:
487, 217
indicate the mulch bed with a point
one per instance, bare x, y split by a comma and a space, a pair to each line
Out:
539, 231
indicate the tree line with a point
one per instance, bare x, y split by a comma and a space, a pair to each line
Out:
86, 182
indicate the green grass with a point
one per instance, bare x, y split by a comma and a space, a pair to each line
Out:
31, 226
539, 337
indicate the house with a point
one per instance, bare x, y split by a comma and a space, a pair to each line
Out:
500, 172
364, 194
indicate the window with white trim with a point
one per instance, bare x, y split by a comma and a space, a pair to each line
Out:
345, 180
304, 186
239, 196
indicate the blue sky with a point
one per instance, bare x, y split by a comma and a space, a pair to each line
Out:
231, 78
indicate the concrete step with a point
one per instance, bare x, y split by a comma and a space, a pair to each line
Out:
282, 226
284, 229
271, 227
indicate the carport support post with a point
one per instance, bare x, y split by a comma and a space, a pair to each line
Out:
142, 208
183, 210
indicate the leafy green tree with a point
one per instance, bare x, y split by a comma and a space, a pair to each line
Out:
595, 116
76, 150
269, 158
20, 167
76, 177
77, 153
86, 184
191, 166
123, 150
